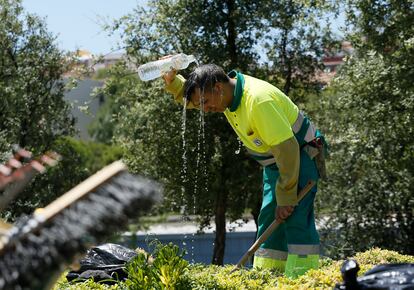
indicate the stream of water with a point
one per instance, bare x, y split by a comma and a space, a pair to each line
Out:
201, 167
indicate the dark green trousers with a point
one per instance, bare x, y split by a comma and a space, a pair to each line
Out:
296, 241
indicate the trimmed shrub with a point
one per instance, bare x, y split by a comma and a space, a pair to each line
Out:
169, 271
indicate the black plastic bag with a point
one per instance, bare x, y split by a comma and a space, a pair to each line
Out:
103, 263
381, 277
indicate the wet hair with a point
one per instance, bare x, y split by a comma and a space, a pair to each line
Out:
204, 77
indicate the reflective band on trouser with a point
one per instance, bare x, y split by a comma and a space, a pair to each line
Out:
303, 249
270, 253
269, 258
297, 265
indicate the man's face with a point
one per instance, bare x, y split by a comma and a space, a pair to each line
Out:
209, 101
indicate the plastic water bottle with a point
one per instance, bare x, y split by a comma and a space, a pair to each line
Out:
156, 69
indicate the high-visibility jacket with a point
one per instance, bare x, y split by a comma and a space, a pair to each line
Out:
264, 119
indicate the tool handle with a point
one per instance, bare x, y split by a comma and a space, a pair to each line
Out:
81, 190
273, 226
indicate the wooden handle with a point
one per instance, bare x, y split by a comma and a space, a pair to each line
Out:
76, 193
80, 190
273, 226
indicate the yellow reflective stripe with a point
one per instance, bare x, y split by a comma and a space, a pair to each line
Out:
303, 249
297, 265
268, 263
272, 254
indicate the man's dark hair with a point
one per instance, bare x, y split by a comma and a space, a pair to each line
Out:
204, 77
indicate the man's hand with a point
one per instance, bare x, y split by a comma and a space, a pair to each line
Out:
283, 212
169, 76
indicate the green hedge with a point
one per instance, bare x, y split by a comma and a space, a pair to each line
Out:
169, 271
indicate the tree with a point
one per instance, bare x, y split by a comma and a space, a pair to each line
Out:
295, 40
34, 112
230, 183
370, 113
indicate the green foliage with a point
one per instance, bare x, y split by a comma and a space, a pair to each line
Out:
228, 41
296, 35
118, 92
102, 74
165, 271
33, 110
216, 277
383, 26
144, 275
63, 284
94, 155
34, 113
369, 113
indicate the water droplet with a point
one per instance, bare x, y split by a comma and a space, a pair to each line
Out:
240, 146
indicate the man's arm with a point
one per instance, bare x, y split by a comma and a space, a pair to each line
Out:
174, 84
287, 160
274, 129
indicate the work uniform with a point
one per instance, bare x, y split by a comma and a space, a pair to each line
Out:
264, 118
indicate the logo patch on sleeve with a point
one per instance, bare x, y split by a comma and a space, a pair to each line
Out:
257, 142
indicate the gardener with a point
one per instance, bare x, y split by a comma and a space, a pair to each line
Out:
274, 131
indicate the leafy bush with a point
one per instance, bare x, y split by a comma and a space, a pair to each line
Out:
165, 271
63, 284
95, 155
371, 163
169, 271
369, 117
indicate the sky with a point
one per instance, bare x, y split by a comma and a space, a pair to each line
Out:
77, 23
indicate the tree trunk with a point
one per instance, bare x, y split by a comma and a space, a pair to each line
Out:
231, 34
220, 220
221, 200
256, 211
288, 83
24, 127
286, 63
